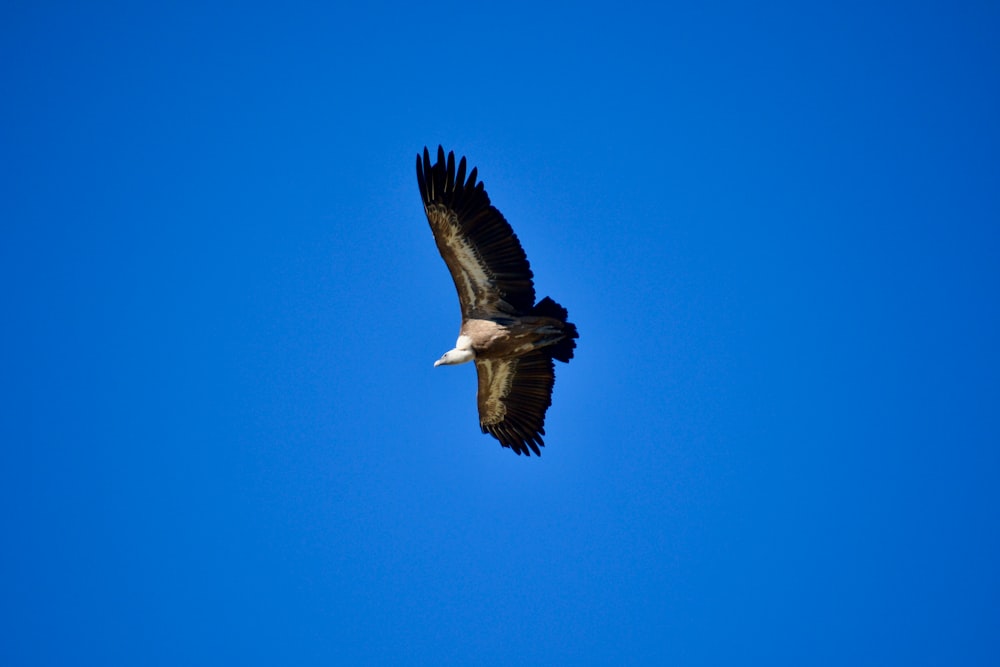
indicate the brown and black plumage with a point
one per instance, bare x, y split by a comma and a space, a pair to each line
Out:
512, 339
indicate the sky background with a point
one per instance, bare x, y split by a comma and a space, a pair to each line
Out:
224, 442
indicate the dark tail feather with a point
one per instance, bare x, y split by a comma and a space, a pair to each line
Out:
549, 308
563, 350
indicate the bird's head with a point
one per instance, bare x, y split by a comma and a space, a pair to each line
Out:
456, 356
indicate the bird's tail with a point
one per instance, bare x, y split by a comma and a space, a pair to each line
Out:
563, 350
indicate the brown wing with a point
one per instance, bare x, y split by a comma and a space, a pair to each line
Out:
486, 261
513, 397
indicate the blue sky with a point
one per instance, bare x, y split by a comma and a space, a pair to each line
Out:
776, 227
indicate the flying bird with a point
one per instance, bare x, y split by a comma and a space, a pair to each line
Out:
512, 339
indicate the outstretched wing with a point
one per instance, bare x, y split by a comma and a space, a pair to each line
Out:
513, 397
486, 261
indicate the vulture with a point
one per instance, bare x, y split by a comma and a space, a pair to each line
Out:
512, 339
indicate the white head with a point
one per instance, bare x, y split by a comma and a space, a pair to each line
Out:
456, 356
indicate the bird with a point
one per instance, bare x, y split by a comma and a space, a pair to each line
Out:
512, 339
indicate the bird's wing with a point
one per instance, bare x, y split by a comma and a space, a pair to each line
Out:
486, 260
514, 394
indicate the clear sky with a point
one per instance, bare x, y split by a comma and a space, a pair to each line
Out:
775, 224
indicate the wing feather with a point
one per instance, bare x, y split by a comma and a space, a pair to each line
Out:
514, 395
485, 258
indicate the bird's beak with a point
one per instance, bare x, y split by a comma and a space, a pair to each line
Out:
437, 363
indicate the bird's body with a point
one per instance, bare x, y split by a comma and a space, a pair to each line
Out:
503, 337
512, 339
